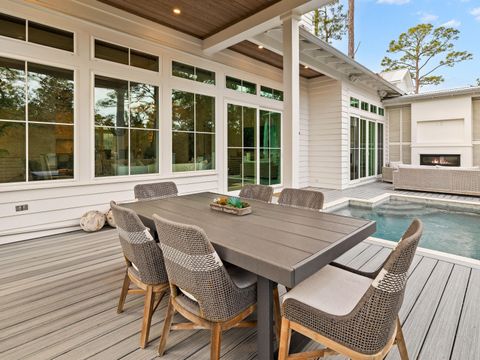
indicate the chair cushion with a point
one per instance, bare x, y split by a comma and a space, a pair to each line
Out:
242, 278
331, 290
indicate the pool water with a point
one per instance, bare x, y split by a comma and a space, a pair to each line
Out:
453, 232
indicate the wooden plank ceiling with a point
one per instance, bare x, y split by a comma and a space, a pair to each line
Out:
269, 57
200, 18
203, 18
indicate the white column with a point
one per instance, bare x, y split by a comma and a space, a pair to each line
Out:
291, 102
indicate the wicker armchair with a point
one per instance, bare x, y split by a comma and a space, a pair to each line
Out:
306, 199
201, 288
155, 190
145, 265
352, 313
257, 192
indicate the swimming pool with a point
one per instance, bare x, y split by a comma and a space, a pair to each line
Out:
451, 231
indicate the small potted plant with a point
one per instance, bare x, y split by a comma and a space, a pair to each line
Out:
231, 205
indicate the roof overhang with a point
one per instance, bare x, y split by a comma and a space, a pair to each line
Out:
473, 91
324, 58
258, 23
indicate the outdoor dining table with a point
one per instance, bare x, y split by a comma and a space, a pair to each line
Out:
281, 245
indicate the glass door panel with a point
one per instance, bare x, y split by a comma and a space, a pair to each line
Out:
371, 149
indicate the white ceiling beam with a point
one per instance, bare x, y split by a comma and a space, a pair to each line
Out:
258, 23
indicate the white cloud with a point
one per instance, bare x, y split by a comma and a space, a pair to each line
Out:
476, 13
393, 2
452, 23
426, 17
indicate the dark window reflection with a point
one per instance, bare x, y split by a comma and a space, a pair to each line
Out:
50, 36
143, 106
12, 152
183, 151
183, 104
143, 152
12, 89
50, 152
111, 102
12, 27
111, 151
50, 94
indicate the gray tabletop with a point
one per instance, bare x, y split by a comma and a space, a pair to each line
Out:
282, 244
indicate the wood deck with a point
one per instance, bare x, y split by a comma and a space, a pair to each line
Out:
58, 298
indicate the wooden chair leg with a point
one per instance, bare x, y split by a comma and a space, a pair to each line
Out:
402, 347
147, 316
216, 342
276, 312
167, 323
123, 294
284, 345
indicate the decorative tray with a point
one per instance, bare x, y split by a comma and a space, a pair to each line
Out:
231, 205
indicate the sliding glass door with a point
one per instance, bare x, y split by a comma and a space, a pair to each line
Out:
366, 148
254, 146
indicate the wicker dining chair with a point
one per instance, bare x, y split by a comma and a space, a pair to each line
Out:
145, 265
307, 199
351, 312
158, 190
202, 289
257, 192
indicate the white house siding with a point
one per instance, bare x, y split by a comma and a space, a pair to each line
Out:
325, 132
304, 176
476, 132
56, 206
363, 94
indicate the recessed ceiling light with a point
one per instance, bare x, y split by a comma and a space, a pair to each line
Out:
305, 66
260, 46
177, 11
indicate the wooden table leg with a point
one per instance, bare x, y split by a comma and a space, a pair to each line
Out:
265, 334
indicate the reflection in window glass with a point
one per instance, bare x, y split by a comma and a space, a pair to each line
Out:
193, 137
111, 52
270, 135
379, 148
111, 102
205, 76
12, 152
365, 106
143, 106
205, 152
50, 152
50, 94
234, 124
143, 152
126, 127
193, 73
235, 169
183, 70
354, 102
49, 121
12, 27
183, 151
249, 166
205, 113
183, 110
354, 148
249, 127
111, 151
241, 85
12, 85
143, 60
50, 36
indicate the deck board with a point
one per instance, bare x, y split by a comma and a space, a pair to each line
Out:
60, 302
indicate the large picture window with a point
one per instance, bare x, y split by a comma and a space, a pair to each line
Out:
250, 162
366, 148
126, 127
36, 126
193, 131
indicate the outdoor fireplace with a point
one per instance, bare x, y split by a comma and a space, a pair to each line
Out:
442, 160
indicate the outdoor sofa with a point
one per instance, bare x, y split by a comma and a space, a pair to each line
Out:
449, 180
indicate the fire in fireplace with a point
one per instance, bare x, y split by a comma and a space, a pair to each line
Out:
442, 160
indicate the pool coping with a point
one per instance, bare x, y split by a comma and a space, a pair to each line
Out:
438, 255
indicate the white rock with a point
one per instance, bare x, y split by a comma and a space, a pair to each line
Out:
110, 219
92, 221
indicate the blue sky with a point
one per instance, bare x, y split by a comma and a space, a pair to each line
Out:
380, 21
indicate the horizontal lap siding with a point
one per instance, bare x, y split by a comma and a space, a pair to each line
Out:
325, 133
58, 210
